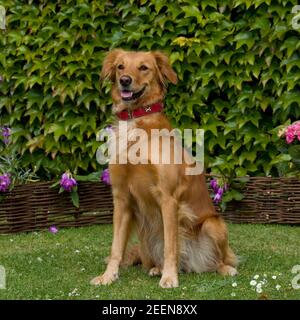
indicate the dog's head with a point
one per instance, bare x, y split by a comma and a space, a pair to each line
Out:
137, 76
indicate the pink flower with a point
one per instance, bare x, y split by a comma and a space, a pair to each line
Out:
292, 131
289, 137
297, 130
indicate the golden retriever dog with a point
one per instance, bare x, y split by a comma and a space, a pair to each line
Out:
172, 213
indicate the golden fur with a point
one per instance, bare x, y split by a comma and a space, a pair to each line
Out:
172, 213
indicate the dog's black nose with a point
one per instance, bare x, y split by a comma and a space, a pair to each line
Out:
125, 81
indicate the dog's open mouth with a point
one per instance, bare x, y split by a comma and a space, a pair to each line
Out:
128, 95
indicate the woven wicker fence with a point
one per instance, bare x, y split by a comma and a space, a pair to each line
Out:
267, 200
37, 206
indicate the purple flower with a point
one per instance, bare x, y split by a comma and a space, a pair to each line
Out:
105, 176
53, 229
67, 182
217, 198
214, 185
5, 182
218, 190
6, 132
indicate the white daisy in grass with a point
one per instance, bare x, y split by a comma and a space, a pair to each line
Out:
274, 277
258, 289
256, 276
234, 284
253, 283
278, 287
74, 293
233, 294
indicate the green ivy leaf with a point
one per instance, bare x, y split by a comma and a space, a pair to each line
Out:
294, 152
75, 198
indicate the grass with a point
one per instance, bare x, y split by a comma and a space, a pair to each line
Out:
42, 265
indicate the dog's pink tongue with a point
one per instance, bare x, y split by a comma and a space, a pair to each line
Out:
126, 94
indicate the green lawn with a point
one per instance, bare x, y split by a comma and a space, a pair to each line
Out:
42, 265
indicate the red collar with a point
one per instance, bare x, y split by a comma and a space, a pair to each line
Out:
139, 112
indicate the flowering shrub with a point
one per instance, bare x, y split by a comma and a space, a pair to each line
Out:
6, 132
11, 170
292, 132
288, 136
292, 138
69, 182
218, 190
5, 180
226, 190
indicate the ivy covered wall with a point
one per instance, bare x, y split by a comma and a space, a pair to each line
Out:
238, 64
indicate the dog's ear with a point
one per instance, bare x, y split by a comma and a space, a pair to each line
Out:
166, 73
109, 68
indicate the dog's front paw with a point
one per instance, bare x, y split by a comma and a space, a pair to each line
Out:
168, 281
106, 279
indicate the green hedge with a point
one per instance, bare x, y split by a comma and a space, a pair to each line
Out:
238, 65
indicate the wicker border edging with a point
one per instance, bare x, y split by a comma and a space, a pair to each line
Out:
36, 206
267, 200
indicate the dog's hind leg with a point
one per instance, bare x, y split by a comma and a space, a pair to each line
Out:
215, 228
155, 271
132, 256
135, 255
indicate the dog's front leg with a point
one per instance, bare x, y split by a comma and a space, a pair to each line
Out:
169, 277
121, 227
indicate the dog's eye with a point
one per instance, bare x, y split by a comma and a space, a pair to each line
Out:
143, 67
121, 66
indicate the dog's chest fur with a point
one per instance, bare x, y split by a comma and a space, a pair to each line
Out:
141, 181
